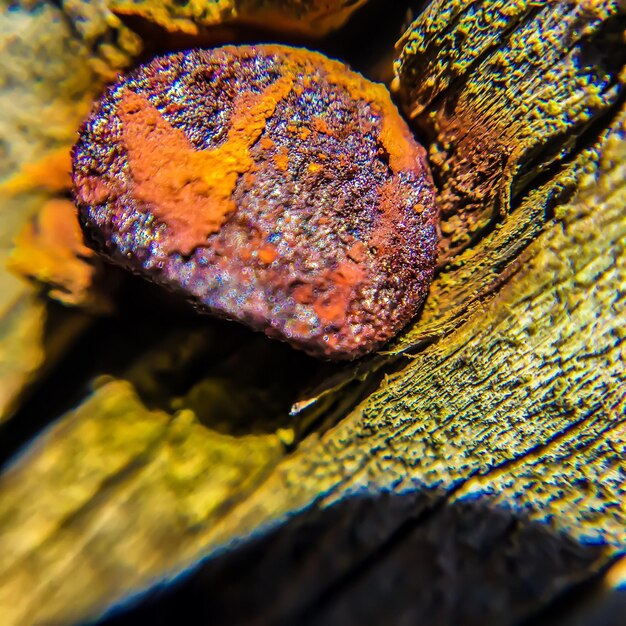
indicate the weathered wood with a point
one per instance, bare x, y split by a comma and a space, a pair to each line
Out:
476, 482
53, 65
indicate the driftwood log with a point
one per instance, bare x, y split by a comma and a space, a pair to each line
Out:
163, 468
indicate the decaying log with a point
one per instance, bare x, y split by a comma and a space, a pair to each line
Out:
473, 473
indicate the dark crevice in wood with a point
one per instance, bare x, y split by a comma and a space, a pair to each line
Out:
361, 569
397, 555
370, 561
543, 161
568, 608
585, 137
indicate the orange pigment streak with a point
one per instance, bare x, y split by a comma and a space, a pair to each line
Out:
332, 307
395, 135
267, 254
52, 172
190, 190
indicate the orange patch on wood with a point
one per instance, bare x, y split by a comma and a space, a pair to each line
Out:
52, 172
190, 190
50, 249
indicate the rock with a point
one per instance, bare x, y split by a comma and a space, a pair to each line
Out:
267, 184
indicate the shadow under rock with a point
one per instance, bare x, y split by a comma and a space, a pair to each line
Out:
386, 559
235, 380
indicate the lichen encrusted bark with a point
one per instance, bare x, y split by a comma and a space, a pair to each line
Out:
488, 144
515, 401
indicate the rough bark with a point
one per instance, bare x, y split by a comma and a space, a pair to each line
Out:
473, 473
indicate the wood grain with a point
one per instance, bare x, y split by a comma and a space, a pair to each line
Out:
474, 473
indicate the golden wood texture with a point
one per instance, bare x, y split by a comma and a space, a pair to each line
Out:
507, 394
311, 18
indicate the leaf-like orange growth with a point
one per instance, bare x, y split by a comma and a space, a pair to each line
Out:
191, 190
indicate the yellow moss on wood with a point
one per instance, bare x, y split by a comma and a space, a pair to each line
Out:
513, 395
504, 89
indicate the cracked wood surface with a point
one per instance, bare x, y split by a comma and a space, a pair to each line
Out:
483, 453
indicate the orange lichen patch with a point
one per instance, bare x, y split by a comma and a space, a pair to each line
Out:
395, 135
52, 172
333, 304
50, 250
304, 134
314, 168
190, 190
249, 179
320, 125
357, 252
400, 145
256, 240
267, 254
266, 143
93, 190
303, 294
282, 159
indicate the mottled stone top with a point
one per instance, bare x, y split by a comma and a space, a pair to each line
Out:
269, 185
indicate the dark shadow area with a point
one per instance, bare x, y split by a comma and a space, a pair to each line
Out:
606, 608
367, 42
389, 559
237, 381
590, 603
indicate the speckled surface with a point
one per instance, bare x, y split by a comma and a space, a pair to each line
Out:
268, 185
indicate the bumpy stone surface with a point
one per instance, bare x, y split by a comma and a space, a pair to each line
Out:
269, 185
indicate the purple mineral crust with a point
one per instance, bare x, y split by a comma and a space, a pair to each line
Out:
267, 184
